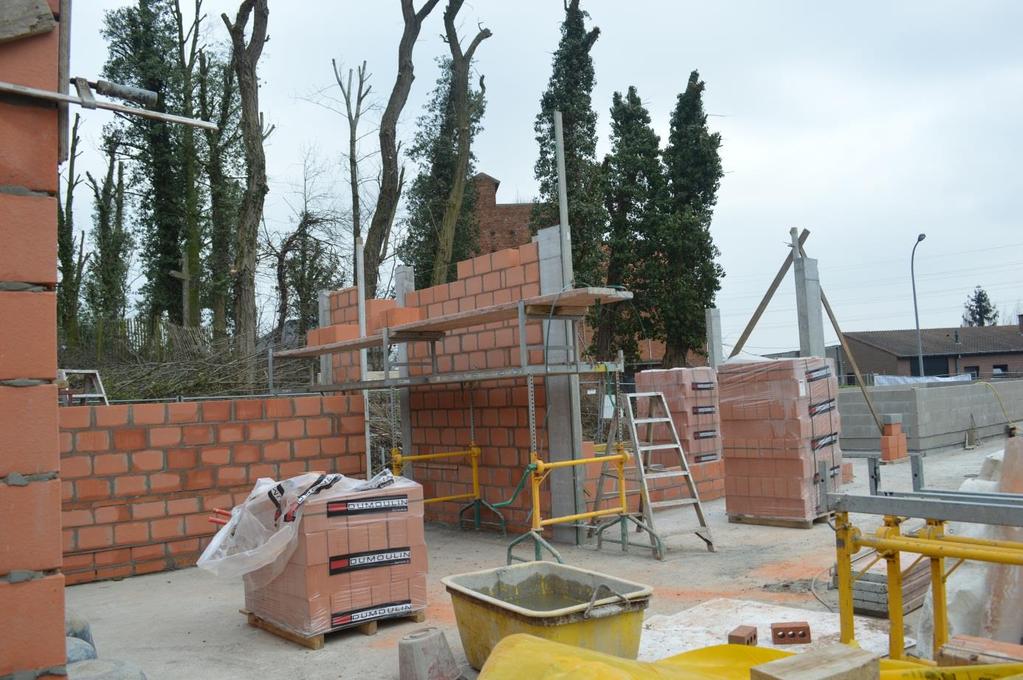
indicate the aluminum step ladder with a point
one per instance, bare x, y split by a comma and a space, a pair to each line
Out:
656, 455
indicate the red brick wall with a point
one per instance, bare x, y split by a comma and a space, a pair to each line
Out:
440, 414
502, 225
32, 622
139, 480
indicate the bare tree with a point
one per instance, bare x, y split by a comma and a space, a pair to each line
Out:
217, 93
354, 101
244, 59
461, 63
187, 58
391, 176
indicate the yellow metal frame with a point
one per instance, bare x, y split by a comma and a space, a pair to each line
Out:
540, 470
398, 461
889, 542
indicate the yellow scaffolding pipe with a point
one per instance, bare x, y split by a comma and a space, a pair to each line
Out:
889, 542
398, 461
542, 468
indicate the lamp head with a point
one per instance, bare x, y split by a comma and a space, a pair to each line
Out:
921, 237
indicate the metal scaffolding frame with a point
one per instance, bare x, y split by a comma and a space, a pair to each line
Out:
936, 507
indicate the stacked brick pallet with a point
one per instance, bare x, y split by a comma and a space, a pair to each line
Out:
361, 556
31, 584
692, 398
779, 421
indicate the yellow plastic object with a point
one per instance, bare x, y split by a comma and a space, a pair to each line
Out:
525, 656
558, 602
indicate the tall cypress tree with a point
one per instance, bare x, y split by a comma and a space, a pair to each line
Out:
568, 91
141, 40
688, 273
434, 150
634, 195
106, 286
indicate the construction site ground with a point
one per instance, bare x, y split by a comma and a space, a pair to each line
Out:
186, 624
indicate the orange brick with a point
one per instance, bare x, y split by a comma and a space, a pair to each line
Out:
92, 440
147, 461
148, 510
31, 61
216, 411
216, 456
248, 409
149, 414
131, 533
402, 315
28, 420
28, 230
291, 429
164, 482
198, 434
183, 506
503, 259
185, 412
178, 459
28, 343
170, 527
307, 406
112, 513
28, 154
130, 440
279, 408
261, 431
164, 436
110, 464
75, 518
30, 532
111, 416
95, 537
32, 627
277, 451
230, 432
130, 485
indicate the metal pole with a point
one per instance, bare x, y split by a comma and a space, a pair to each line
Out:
916, 311
270, 366
566, 233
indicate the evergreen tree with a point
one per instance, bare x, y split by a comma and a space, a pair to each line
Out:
568, 91
141, 41
71, 256
635, 197
434, 150
684, 268
978, 310
106, 286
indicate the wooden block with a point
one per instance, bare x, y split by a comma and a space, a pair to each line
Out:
790, 633
967, 650
743, 635
833, 662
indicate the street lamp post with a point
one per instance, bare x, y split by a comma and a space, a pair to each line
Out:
916, 311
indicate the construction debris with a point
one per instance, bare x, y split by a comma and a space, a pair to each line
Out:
870, 590
834, 662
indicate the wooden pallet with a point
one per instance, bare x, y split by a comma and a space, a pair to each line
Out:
779, 522
316, 641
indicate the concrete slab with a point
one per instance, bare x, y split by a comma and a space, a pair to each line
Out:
185, 624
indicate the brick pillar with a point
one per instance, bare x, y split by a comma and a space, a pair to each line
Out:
31, 585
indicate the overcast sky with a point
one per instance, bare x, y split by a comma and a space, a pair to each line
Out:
865, 123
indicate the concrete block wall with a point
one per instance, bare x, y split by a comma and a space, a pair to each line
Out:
138, 480
440, 414
933, 416
31, 582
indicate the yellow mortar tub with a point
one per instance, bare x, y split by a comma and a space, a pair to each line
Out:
552, 601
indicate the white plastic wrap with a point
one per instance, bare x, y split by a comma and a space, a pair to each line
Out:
263, 531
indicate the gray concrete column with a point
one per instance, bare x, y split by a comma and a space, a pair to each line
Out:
808, 302
715, 353
326, 370
564, 429
404, 283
